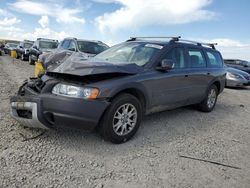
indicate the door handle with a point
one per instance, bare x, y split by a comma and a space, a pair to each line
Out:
186, 76
208, 73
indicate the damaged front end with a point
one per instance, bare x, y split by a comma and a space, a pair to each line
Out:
36, 106
68, 95
24, 106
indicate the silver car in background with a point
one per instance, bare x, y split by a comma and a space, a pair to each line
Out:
237, 78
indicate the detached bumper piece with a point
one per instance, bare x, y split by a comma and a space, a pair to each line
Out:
26, 114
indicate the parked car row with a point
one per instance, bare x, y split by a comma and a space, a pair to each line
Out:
9, 47
22, 50
43, 48
238, 64
30, 50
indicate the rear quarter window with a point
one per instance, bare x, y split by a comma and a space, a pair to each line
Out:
214, 59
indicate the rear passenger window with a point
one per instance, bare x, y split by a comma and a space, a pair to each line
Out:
177, 55
214, 59
196, 58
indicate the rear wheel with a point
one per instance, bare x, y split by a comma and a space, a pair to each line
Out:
122, 119
208, 104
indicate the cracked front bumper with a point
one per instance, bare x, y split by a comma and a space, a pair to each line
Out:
50, 111
27, 122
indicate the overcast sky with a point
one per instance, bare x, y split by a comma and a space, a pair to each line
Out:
113, 21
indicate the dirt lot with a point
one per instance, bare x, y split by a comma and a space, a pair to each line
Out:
66, 158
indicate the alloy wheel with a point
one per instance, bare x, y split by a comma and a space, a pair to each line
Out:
211, 99
125, 119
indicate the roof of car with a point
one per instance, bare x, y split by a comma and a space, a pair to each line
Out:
44, 39
72, 38
169, 42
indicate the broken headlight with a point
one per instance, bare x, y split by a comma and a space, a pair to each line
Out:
75, 91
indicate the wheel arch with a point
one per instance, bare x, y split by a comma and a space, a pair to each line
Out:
136, 92
217, 84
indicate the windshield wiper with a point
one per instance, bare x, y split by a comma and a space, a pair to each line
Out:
88, 52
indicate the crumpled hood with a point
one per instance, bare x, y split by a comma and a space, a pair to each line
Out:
89, 67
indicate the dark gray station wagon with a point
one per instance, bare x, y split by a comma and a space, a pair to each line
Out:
112, 91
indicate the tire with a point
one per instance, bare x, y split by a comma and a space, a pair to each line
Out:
30, 61
17, 56
208, 104
22, 57
109, 122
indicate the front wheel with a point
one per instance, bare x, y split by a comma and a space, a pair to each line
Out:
122, 119
31, 62
22, 57
208, 104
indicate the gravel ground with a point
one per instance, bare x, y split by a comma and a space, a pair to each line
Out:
66, 158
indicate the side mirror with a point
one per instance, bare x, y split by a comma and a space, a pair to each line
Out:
20, 47
165, 65
35, 47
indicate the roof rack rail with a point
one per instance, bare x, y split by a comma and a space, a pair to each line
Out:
172, 38
176, 39
212, 45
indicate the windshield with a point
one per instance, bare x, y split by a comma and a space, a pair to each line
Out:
130, 53
27, 45
246, 63
47, 44
91, 47
12, 45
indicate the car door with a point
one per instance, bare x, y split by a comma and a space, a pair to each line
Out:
199, 75
170, 89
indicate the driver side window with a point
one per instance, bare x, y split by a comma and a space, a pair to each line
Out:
178, 56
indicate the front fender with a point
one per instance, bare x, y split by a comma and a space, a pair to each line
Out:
112, 92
